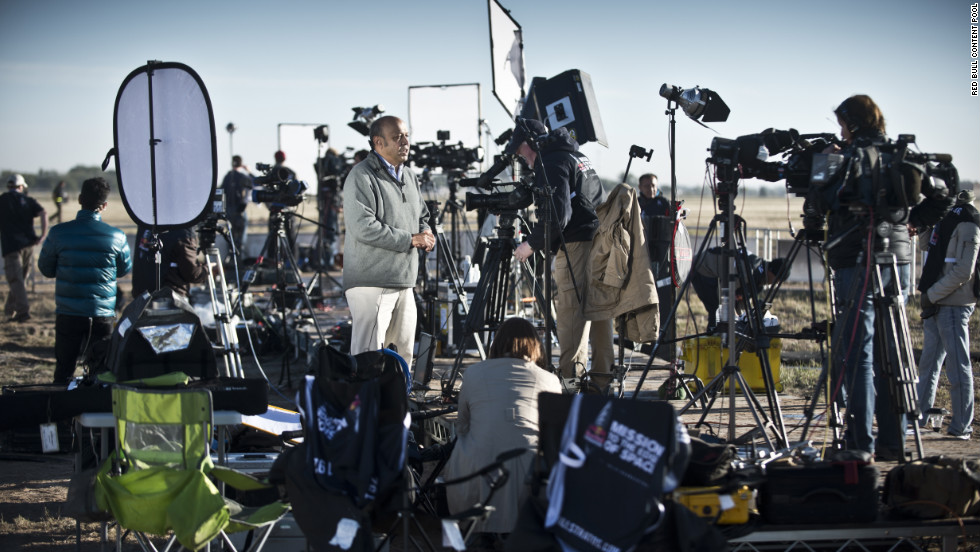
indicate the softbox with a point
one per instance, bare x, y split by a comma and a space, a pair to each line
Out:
166, 159
567, 100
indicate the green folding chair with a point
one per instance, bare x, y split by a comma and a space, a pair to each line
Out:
158, 480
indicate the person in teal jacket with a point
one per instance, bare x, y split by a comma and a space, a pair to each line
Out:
85, 256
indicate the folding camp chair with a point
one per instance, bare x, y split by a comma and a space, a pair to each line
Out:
349, 480
157, 480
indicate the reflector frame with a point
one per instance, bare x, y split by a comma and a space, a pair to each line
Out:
506, 58
166, 158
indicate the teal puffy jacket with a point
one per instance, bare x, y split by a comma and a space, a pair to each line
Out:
86, 256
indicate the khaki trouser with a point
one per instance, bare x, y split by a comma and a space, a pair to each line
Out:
382, 317
17, 266
572, 325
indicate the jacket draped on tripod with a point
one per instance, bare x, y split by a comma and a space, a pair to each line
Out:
621, 283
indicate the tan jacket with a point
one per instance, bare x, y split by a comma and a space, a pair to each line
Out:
498, 412
621, 283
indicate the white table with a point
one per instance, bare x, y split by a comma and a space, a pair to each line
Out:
105, 420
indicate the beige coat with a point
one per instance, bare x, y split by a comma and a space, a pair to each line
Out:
498, 411
621, 282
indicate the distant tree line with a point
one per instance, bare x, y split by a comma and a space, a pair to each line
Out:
41, 183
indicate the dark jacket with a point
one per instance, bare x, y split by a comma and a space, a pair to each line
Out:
179, 268
86, 256
17, 212
849, 199
577, 192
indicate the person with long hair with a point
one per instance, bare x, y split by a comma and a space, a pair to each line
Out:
861, 225
498, 412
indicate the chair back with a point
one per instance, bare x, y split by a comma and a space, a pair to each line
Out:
355, 415
610, 468
163, 428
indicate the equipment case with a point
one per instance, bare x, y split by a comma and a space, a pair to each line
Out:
820, 492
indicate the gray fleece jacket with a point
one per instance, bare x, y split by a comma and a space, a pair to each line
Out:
955, 287
380, 215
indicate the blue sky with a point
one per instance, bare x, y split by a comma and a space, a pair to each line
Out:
781, 64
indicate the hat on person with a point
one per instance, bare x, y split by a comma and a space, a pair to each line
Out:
525, 128
280, 156
965, 193
16, 180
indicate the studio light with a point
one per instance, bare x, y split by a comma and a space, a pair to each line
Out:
699, 103
322, 133
364, 116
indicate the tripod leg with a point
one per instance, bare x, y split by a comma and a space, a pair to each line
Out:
894, 359
225, 331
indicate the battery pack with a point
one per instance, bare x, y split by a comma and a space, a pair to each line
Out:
710, 503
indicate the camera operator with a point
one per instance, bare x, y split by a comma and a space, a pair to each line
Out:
283, 173
237, 186
332, 168
858, 227
385, 216
577, 193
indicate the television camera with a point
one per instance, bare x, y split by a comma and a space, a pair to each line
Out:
279, 188
432, 155
332, 169
885, 175
497, 202
207, 230
807, 163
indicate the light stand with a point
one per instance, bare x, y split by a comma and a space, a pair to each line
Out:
735, 269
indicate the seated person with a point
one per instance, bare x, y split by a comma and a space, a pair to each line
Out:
498, 411
179, 264
705, 278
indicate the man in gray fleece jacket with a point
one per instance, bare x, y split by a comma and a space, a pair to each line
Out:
385, 217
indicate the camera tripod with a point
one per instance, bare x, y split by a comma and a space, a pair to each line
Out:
457, 216
489, 306
285, 264
892, 349
446, 268
735, 270
225, 332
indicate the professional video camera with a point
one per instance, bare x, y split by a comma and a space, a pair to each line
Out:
332, 169
885, 175
498, 202
447, 156
279, 188
749, 154
208, 228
